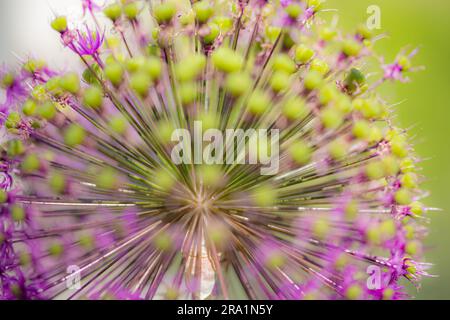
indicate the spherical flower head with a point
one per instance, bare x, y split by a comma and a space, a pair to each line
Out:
217, 152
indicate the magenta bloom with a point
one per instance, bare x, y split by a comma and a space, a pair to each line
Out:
15, 90
397, 70
87, 43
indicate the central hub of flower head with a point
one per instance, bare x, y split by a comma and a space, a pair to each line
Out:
201, 202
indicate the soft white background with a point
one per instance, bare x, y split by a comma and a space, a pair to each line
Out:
25, 29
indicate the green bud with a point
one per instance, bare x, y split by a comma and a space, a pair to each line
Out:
409, 180
408, 165
351, 210
91, 75
283, 62
361, 129
47, 110
280, 81
288, 42
388, 229
209, 120
327, 94
164, 132
163, 241
320, 228
15, 148
272, 33
343, 103
52, 86
187, 18
131, 10
118, 124
225, 23
188, 92
114, 73
238, 83
300, 152
107, 178
370, 108
57, 183
259, 102
190, 71
410, 232
351, 48
399, 147
316, 4
364, 32
203, 11
303, 54
164, 180
227, 60
403, 197
375, 135
8, 80
338, 149
3, 197
87, 242
153, 50
412, 248
313, 80
56, 249
32, 65
164, 12
331, 118
113, 11
275, 260
214, 32
74, 135
211, 175
391, 166
13, 120
17, 213
405, 63
153, 67
320, 66
135, 64
373, 235
354, 292
295, 109
59, 24
70, 83
375, 170
24, 258
293, 11
264, 196
417, 208
29, 108
30, 164
155, 33
328, 34
93, 97
140, 83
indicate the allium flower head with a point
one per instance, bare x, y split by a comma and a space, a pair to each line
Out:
90, 191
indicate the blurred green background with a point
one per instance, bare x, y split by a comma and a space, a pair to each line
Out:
423, 24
